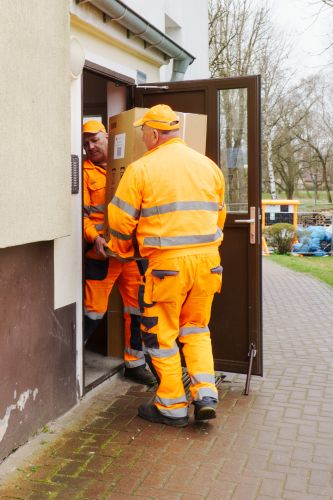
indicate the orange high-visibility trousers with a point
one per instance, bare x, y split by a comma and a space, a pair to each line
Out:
96, 298
178, 297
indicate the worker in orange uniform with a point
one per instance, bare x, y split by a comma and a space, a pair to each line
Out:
101, 272
174, 198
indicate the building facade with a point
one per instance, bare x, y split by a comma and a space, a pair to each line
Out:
64, 61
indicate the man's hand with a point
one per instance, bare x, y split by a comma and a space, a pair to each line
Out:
99, 245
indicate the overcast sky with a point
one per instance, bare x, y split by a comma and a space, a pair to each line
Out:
309, 26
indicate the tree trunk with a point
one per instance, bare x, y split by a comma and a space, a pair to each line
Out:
327, 188
270, 169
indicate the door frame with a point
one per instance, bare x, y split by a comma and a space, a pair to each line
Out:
210, 89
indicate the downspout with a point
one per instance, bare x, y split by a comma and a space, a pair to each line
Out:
139, 27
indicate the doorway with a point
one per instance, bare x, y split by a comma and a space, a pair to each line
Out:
232, 106
104, 94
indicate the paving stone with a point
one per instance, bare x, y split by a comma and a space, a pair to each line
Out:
275, 443
71, 468
96, 489
152, 493
12, 492
127, 485
222, 489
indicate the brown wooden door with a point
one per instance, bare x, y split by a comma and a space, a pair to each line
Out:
232, 106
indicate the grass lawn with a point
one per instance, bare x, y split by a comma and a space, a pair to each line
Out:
318, 267
307, 202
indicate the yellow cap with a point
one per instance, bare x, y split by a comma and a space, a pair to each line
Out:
161, 117
92, 127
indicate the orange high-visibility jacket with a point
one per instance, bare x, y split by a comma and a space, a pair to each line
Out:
174, 197
94, 183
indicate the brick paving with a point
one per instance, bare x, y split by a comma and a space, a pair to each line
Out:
277, 442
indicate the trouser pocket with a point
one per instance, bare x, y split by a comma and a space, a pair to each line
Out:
164, 285
149, 332
96, 269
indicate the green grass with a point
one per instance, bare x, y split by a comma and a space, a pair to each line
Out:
307, 201
318, 267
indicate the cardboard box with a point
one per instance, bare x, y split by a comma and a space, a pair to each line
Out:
126, 145
193, 130
115, 328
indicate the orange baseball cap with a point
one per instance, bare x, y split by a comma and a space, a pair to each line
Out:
161, 117
92, 127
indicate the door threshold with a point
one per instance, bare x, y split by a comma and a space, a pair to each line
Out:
104, 377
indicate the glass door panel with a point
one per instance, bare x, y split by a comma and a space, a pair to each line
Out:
233, 147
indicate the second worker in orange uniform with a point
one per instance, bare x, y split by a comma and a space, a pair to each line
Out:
102, 272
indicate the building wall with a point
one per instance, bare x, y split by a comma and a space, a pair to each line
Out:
37, 345
185, 22
37, 339
34, 100
41, 237
106, 44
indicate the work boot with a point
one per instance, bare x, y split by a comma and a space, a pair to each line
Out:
205, 409
140, 374
152, 414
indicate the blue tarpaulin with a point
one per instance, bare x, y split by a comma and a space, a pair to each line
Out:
313, 240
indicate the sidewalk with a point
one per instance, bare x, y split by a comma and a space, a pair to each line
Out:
275, 443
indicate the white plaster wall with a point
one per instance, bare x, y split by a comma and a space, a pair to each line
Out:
34, 122
117, 99
190, 18
107, 44
68, 250
99, 51
151, 10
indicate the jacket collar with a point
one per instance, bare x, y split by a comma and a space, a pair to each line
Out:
90, 165
170, 141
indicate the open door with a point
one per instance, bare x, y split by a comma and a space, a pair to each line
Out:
232, 106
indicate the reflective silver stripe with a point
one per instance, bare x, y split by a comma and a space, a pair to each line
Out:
200, 378
93, 314
125, 207
99, 227
134, 352
190, 330
172, 241
97, 209
87, 209
211, 206
132, 310
163, 353
170, 401
135, 363
120, 236
205, 391
176, 413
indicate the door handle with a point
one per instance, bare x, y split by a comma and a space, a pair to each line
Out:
252, 222
245, 221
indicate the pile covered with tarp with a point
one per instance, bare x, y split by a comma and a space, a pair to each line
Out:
313, 240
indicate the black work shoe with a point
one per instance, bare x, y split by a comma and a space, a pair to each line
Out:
140, 374
204, 413
151, 413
